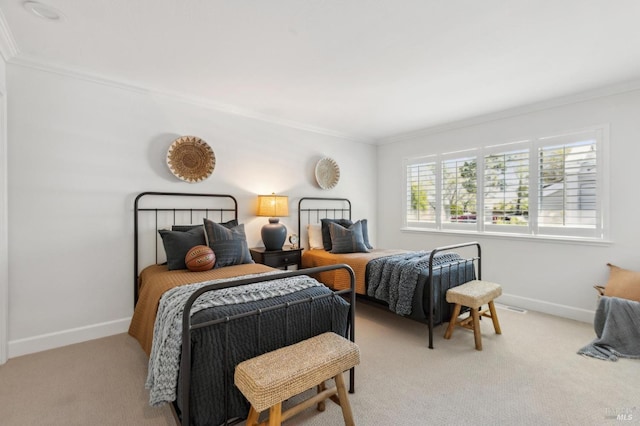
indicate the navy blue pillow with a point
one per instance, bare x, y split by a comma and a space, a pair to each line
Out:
229, 245
326, 235
347, 240
178, 243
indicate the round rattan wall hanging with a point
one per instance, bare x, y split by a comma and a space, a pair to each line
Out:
191, 159
327, 173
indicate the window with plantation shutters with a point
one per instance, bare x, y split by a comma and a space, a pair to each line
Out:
421, 192
506, 189
568, 185
458, 189
550, 186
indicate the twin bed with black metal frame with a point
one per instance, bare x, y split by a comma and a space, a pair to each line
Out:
214, 335
433, 271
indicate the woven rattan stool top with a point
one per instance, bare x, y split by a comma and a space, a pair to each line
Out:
278, 375
474, 293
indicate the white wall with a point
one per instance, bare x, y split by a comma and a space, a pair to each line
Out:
79, 152
4, 241
553, 277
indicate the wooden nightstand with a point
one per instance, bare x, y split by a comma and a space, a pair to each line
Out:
278, 258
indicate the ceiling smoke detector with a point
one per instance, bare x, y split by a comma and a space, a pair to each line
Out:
43, 11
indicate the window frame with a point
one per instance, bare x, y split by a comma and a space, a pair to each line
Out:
471, 154
599, 231
428, 159
506, 148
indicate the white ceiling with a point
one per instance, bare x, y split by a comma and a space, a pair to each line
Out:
364, 69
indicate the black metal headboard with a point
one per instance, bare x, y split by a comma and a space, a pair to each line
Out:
157, 210
313, 209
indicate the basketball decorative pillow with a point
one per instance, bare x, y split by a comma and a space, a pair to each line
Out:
200, 258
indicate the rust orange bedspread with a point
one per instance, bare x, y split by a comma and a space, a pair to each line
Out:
156, 279
339, 279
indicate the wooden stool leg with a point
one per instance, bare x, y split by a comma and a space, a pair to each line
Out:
344, 401
252, 419
275, 415
494, 318
321, 405
476, 328
452, 323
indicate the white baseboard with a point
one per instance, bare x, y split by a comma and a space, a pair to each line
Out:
578, 314
82, 334
58, 339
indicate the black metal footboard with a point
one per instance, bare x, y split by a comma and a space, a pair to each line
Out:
286, 311
457, 272
429, 302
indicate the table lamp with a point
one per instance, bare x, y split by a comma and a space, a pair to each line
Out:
273, 206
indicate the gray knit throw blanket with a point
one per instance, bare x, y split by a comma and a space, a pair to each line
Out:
164, 362
617, 327
393, 279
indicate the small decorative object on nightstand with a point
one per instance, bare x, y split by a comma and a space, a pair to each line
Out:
293, 239
284, 258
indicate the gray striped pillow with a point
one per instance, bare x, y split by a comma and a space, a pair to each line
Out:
347, 240
229, 245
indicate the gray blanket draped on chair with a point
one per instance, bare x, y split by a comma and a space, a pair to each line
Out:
617, 325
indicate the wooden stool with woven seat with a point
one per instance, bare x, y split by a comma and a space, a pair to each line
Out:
473, 294
269, 379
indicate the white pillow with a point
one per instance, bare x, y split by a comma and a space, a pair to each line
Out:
315, 237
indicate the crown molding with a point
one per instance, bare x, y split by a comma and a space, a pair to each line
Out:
8, 47
34, 63
609, 90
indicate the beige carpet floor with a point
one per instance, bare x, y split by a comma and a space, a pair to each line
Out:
529, 375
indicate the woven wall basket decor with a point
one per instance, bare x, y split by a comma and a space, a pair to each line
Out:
327, 173
191, 159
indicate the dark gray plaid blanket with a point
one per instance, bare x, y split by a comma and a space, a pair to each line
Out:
393, 279
617, 327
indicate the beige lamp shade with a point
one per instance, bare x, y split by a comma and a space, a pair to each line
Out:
273, 205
